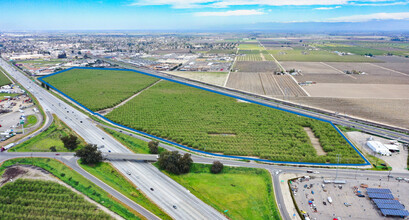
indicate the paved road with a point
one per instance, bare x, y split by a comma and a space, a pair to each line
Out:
168, 192
71, 161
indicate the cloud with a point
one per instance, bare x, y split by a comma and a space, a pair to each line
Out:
369, 17
230, 13
228, 3
327, 8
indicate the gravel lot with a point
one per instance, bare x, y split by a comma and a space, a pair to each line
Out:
397, 161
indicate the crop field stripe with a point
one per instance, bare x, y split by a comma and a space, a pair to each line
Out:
213, 91
340, 71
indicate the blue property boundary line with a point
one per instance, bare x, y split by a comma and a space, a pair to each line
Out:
213, 91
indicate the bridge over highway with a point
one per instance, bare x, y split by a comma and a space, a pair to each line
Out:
137, 157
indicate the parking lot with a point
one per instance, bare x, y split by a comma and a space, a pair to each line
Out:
345, 203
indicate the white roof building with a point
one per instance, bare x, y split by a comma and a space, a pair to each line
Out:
378, 148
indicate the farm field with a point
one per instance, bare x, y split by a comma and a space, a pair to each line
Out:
99, 89
201, 120
316, 56
75, 180
249, 57
389, 111
3, 79
40, 199
245, 192
109, 175
255, 46
48, 138
358, 50
216, 78
309, 67
403, 68
217, 51
255, 66
344, 90
265, 84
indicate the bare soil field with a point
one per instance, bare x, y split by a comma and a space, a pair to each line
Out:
255, 66
314, 141
369, 69
216, 78
400, 67
325, 78
355, 79
393, 59
309, 67
265, 84
245, 81
389, 111
346, 90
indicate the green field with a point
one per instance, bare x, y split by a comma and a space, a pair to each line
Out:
48, 138
30, 121
109, 175
38, 199
76, 181
134, 144
3, 79
245, 193
99, 89
250, 47
216, 123
316, 56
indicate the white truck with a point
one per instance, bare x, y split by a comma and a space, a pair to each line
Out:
329, 200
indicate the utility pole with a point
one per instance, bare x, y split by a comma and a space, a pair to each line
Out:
336, 173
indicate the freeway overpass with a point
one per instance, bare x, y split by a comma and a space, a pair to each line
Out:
135, 157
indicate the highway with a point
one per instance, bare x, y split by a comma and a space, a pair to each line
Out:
347, 121
141, 175
275, 170
167, 193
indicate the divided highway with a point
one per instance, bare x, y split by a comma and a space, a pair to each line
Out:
166, 193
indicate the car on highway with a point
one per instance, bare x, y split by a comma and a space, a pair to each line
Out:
128, 172
174, 207
152, 189
399, 178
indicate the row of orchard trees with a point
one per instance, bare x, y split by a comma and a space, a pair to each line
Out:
35, 199
100, 89
216, 123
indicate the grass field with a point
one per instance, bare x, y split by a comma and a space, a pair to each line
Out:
99, 89
3, 79
216, 123
48, 138
38, 199
134, 144
76, 181
245, 193
316, 56
250, 47
108, 174
30, 121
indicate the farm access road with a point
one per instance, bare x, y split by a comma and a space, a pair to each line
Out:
167, 192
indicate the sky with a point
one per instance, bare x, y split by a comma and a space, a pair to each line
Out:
189, 14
